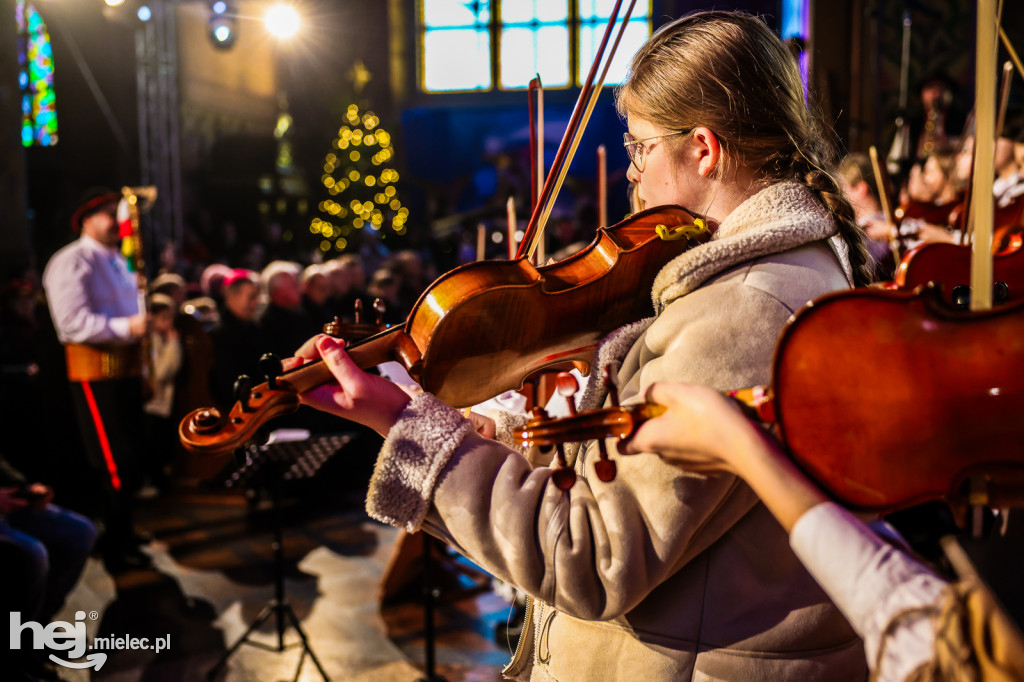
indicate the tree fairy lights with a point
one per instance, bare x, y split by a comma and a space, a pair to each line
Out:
360, 183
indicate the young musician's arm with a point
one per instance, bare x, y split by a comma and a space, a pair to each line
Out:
702, 431
871, 582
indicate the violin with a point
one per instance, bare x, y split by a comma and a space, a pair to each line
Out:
484, 327
1007, 222
930, 212
950, 265
873, 398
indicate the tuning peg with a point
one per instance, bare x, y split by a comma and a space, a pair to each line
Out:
604, 467
333, 328
610, 370
379, 308
961, 296
1000, 292
566, 385
564, 476
271, 368
242, 389
358, 310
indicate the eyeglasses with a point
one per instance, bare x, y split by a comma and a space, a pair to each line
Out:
636, 150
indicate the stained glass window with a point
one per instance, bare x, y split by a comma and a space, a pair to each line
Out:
468, 45
534, 39
456, 44
35, 78
796, 24
593, 19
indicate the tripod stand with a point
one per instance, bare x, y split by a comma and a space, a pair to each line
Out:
277, 462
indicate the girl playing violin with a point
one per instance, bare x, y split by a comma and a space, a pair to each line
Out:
915, 625
659, 574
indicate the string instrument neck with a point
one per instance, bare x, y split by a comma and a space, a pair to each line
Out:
377, 349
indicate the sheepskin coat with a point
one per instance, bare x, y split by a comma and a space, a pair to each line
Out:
660, 574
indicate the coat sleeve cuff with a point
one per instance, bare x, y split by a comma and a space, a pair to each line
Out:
506, 426
120, 329
416, 451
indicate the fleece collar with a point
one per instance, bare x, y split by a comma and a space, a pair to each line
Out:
780, 217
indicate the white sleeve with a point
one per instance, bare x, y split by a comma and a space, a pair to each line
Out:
872, 583
64, 280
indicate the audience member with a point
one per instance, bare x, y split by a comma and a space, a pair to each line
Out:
165, 353
341, 283
211, 282
43, 549
282, 320
316, 294
238, 341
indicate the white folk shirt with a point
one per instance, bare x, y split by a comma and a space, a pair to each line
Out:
91, 293
871, 582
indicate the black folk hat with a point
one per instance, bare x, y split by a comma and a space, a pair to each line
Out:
91, 201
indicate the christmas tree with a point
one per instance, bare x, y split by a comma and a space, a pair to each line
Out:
359, 179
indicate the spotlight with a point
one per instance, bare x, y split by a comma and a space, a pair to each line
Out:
114, 3
282, 21
144, 13
223, 25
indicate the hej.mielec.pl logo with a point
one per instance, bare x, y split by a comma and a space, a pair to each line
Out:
70, 637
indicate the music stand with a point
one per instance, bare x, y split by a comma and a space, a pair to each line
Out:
289, 455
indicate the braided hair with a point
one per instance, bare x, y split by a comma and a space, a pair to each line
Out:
728, 71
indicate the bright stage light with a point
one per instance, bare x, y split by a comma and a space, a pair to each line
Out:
223, 25
222, 33
114, 3
144, 13
282, 21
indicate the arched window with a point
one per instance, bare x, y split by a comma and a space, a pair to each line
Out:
487, 44
35, 78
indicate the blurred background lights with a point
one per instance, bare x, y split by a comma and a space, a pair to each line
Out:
223, 24
282, 21
114, 3
144, 13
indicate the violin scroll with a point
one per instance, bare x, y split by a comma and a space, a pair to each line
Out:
208, 431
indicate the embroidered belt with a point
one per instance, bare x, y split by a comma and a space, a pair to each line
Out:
96, 363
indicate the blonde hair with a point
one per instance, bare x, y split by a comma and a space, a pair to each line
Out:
727, 71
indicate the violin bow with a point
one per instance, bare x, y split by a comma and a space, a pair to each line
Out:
573, 132
899, 151
538, 169
536, 106
1000, 119
1012, 52
510, 221
883, 198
